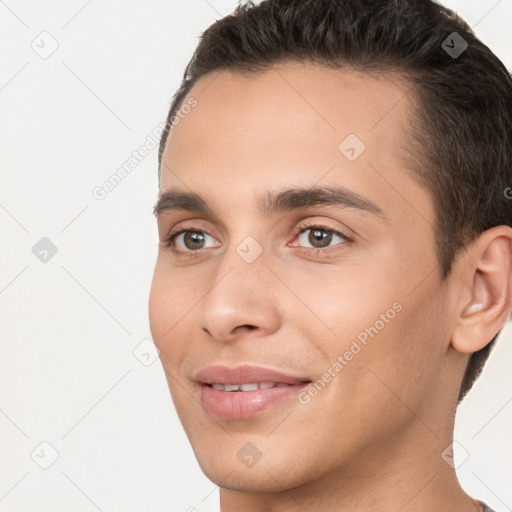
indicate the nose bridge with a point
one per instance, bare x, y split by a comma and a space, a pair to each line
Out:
244, 261
239, 292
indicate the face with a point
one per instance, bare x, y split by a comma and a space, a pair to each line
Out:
339, 293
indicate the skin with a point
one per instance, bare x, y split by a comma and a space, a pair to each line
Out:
372, 439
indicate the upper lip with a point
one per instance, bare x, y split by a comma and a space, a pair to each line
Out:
245, 374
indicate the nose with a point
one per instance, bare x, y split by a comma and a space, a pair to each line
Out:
241, 299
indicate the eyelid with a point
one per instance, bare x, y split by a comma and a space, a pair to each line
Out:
311, 224
198, 226
195, 225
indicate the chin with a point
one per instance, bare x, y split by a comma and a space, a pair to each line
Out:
246, 480
223, 467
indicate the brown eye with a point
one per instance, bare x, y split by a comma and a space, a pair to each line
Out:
193, 240
188, 242
320, 237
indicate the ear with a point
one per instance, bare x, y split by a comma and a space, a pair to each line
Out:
486, 299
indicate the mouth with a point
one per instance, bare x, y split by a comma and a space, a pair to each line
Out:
252, 386
245, 391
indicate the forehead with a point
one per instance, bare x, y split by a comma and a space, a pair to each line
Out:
295, 123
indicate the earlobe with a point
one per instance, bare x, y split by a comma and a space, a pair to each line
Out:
487, 272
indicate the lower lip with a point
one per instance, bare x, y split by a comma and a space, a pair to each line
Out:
240, 405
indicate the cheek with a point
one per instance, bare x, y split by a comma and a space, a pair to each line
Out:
157, 305
341, 304
402, 362
376, 323
168, 306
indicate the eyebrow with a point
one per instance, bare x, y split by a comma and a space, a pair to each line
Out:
273, 202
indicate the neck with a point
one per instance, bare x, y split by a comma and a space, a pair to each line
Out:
406, 473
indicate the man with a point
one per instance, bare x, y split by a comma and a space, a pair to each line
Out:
335, 257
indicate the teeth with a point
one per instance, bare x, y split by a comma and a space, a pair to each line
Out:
247, 387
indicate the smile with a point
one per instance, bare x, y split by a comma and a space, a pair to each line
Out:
245, 391
248, 387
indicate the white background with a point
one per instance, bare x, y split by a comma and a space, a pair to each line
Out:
68, 327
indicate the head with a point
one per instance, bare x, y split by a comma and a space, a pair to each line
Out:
373, 97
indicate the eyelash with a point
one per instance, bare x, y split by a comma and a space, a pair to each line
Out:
168, 243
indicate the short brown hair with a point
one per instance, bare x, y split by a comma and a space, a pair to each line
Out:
460, 144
